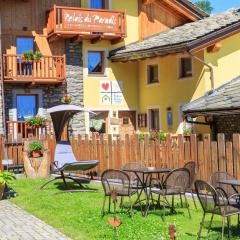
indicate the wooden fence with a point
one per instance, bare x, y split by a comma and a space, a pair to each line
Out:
174, 152
15, 149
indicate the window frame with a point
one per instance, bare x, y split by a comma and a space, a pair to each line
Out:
105, 73
180, 73
102, 53
27, 37
149, 116
149, 66
108, 4
25, 94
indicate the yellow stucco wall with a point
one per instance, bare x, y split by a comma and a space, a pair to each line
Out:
171, 91
127, 73
225, 62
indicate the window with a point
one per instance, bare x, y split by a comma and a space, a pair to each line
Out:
99, 4
154, 119
185, 69
24, 44
96, 62
26, 106
152, 71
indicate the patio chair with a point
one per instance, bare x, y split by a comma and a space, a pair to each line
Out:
214, 202
176, 183
191, 166
67, 164
133, 178
120, 182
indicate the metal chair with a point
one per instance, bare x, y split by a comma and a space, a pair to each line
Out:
176, 183
120, 182
191, 166
227, 189
133, 178
214, 202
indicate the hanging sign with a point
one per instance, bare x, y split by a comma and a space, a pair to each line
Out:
92, 21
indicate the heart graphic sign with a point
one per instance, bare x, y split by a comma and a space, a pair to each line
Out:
105, 86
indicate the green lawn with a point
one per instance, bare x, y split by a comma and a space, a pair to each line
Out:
78, 215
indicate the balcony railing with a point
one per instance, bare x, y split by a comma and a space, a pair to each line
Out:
48, 69
84, 23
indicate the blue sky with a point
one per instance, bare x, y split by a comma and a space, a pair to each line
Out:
222, 5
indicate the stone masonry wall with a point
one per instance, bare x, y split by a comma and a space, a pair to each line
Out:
74, 71
228, 125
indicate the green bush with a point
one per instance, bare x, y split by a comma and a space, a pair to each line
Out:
36, 121
141, 137
6, 178
35, 146
162, 136
187, 131
37, 55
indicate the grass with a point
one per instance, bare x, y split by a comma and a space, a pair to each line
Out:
78, 215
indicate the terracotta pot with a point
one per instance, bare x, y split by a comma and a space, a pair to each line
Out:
2, 187
36, 154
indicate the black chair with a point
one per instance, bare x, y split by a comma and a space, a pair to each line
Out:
191, 166
120, 182
214, 202
176, 183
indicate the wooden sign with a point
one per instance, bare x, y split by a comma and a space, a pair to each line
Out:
115, 121
91, 21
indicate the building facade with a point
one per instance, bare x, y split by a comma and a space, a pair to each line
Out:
133, 62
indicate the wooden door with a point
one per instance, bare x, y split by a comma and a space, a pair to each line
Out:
128, 122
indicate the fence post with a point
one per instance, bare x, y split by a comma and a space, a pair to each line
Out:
221, 152
236, 155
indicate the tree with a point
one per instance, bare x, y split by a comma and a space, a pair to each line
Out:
205, 5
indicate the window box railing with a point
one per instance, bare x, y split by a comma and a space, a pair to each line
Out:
85, 23
47, 69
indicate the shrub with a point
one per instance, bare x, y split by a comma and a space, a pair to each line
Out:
162, 136
6, 178
141, 137
35, 146
187, 131
36, 121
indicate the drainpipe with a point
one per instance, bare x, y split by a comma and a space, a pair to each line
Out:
207, 65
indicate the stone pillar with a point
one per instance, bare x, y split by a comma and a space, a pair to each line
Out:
74, 72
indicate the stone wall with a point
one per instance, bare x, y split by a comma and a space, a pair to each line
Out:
74, 71
50, 95
228, 125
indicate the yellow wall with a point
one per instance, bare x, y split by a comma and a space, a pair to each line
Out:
127, 73
225, 62
171, 91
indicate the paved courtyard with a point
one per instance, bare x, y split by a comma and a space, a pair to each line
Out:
17, 224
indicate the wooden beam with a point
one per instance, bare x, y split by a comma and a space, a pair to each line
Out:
147, 2
76, 39
214, 48
96, 39
117, 40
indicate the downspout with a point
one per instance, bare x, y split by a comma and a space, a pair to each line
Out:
207, 65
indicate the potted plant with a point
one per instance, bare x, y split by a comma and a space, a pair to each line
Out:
28, 56
37, 56
6, 178
36, 121
66, 99
35, 149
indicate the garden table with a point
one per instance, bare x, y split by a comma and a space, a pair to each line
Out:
234, 183
143, 175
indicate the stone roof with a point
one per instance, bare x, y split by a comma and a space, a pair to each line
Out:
223, 98
178, 39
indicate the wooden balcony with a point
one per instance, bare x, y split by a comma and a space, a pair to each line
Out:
47, 70
86, 24
19, 131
